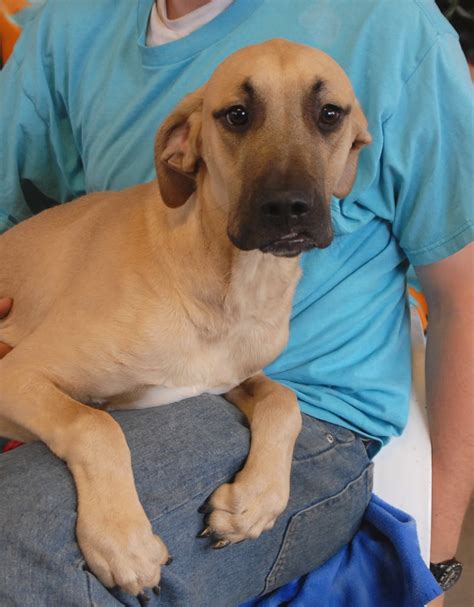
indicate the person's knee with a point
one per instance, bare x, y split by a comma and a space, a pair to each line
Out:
331, 485
181, 453
183, 449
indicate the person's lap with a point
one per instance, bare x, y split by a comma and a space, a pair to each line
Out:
181, 453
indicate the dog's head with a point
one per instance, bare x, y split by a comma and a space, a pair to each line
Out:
274, 133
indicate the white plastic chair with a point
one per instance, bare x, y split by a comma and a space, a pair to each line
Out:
402, 473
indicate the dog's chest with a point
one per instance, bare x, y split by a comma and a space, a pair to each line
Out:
209, 367
223, 349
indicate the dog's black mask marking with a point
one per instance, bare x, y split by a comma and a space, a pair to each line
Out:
283, 214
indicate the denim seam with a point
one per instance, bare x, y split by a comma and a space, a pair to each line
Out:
288, 542
330, 447
211, 487
89, 589
81, 563
283, 557
303, 459
89, 575
207, 490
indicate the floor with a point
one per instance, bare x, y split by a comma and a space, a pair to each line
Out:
462, 595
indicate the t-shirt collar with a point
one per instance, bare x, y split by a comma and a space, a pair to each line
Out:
193, 43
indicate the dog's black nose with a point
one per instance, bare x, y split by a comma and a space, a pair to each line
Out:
284, 209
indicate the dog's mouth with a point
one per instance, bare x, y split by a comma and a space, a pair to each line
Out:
290, 245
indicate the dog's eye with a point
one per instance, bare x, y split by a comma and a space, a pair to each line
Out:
237, 115
329, 115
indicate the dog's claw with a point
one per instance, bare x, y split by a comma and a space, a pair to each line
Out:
169, 561
156, 590
143, 599
220, 544
206, 532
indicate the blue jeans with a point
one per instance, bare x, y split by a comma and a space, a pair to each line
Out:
180, 453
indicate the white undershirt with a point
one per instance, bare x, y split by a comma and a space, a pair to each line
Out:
162, 30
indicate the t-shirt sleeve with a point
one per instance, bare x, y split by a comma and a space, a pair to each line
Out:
427, 164
39, 160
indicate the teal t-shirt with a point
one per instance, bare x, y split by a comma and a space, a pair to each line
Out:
81, 100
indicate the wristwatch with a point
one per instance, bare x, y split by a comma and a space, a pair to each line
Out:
446, 573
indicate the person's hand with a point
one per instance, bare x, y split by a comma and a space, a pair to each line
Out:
438, 602
5, 307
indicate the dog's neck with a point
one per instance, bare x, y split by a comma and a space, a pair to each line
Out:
232, 283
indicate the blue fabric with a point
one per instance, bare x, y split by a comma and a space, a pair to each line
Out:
82, 97
381, 566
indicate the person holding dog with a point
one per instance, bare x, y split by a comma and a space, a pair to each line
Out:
70, 130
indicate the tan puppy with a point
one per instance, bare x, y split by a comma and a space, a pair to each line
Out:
168, 290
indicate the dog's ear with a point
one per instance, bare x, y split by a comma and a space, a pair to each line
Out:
361, 138
178, 150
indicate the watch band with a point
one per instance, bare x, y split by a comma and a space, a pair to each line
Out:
446, 573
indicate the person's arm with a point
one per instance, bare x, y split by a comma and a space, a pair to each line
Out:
427, 169
449, 288
39, 160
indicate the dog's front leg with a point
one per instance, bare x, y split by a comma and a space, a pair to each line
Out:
113, 531
259, 493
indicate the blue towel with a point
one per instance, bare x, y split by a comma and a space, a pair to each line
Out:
381, 567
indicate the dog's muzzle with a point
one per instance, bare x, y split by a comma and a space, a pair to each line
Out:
285, 214
284, 224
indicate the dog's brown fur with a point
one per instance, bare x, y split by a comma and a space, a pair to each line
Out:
123, 300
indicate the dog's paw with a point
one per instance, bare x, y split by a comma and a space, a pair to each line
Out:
243, 510
122, 552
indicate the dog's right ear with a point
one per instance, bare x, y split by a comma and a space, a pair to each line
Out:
361, 138
178, 150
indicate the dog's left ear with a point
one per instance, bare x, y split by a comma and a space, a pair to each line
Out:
361, 138
178, 150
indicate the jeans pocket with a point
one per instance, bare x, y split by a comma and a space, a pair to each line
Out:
317, 437
316, 533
